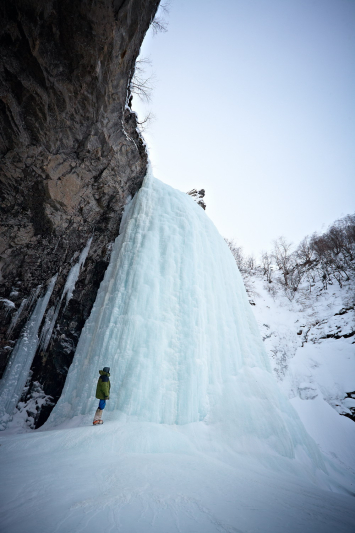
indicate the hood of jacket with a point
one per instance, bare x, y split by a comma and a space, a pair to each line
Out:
102, 373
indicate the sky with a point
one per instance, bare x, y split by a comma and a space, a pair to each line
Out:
254, 101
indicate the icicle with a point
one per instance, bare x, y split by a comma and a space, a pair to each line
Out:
18, 367
47, 327
16, 317
34, 296
68, 290
26, 304
74, 273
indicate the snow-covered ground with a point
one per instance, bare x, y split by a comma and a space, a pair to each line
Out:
311, 345
135, 477
198, 436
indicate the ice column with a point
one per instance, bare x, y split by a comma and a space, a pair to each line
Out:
18, 367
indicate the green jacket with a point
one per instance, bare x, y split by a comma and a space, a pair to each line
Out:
103, 386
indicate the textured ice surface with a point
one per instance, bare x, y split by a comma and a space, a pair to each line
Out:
18, 367
67, 293
25, 305
74, 273
173, 321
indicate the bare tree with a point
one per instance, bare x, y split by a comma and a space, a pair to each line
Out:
266, 263
283, 257
250, 263
324, 258
237, 252
286, 262
334, 251
246, 266
140, 84
305, 252
144, 124
159, 23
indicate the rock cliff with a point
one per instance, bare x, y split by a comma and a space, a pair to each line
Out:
70, 157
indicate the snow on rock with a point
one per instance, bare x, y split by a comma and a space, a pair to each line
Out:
26, 304
24, 416
7, 303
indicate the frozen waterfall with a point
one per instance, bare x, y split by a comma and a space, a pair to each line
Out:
173, 321
18, 367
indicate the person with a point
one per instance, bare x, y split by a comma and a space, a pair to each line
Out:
102, 393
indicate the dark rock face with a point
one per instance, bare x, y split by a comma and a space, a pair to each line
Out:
70, 156
198, 197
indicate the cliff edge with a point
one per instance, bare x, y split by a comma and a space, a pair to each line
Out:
70, 157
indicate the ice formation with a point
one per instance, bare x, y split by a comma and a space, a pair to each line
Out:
26, 304
18, 367
74, 273
173, 321
52, 314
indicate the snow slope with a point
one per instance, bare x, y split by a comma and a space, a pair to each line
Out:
117, 478
197, 436
312, 352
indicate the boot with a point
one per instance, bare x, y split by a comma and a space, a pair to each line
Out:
98, 417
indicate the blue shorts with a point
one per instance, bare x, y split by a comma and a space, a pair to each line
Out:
102, 404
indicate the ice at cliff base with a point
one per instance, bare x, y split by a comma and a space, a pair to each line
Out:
173, 321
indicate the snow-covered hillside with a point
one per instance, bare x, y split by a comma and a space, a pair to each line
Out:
311, 344
198, 436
